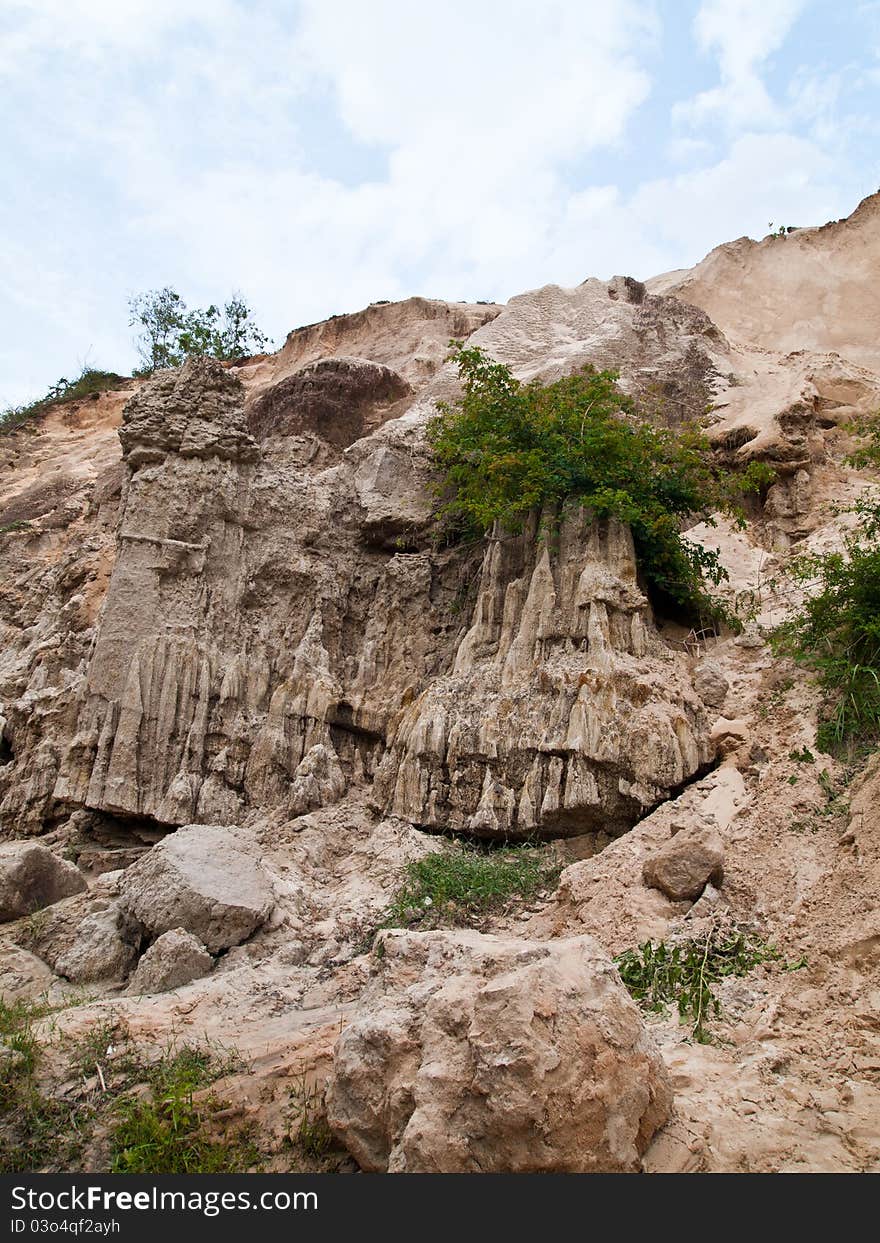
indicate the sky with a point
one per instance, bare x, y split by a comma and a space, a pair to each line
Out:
318, 155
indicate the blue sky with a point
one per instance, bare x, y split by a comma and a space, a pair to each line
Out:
321, 154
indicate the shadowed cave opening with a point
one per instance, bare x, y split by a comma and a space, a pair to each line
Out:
103, 841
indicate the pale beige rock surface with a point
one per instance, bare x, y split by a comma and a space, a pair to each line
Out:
204, 879
476, 1054
175, 958
32, 877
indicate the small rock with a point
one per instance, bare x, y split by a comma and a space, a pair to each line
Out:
23, 976
174, 959
317, 782
11, 1061
705, 904
729, 735
685, 865
710, 683
32, 877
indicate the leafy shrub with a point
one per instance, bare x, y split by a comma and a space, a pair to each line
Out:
170, 333
462, 879
683, 974
88, 383
836, 631
507, 448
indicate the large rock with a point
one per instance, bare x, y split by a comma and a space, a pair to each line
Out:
473, 1053
32, 877
102, 948
174, 959
203, 878
684, 866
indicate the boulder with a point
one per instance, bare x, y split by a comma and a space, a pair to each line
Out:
103, 948
23, 976
174, 959
686, 864
32, 877
710, 683
203, 878
473, 1053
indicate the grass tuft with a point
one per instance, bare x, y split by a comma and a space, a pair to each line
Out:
104, 1098
462, 879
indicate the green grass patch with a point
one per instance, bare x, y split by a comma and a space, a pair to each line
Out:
98, 1094
19, 1048
463, 879
683, 974
309, 1132
163, 1131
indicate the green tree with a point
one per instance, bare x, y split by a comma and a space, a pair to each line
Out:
169, 333
506, 448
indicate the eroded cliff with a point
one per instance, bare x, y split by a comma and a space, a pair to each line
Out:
224, 605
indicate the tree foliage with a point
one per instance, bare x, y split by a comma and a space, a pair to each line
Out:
169, 333
506, 448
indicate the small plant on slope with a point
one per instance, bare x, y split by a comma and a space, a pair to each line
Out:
164, 1131
683, 974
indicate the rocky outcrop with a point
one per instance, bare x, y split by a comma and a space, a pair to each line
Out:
272, 637
471, 1053
563, 711
335, 401
280, 626
32, 877
204, 879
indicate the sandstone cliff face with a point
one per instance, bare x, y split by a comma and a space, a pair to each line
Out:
279, 624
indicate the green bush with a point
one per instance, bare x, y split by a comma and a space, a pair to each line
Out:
169, 333
89, 382
836, 631
507, 448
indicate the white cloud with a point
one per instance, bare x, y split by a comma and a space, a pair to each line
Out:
742, 34
208, 144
